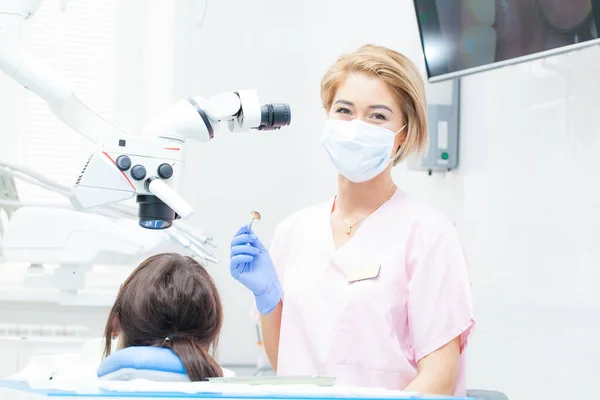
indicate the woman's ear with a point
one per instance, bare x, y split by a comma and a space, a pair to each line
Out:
399, 141
116, 325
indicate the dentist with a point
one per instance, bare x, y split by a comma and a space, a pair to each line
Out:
371, 286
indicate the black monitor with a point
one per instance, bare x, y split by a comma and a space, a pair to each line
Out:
461, 37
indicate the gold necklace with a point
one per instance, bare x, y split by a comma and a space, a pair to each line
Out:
349, 227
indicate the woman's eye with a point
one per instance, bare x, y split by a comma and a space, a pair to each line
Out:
379, 117
343, 110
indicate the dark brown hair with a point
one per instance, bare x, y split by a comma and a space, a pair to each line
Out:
170, 301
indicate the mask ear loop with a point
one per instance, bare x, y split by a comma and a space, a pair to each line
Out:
398, 154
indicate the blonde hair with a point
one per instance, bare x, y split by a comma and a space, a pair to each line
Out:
401, 76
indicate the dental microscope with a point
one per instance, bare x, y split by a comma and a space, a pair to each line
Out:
149, 166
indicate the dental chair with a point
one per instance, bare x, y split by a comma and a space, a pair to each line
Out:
147, 362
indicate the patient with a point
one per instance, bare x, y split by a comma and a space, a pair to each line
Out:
169, 301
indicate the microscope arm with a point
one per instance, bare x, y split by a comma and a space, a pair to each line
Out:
43, 80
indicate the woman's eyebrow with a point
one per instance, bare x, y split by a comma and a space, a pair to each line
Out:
375, 106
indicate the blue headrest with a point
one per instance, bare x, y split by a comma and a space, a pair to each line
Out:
155, 363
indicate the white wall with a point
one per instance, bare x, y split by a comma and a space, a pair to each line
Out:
526, 201
526, 197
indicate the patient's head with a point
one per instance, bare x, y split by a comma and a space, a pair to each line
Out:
170, 301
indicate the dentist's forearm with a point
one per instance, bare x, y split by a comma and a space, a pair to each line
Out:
437, 371
271, 325
427, 383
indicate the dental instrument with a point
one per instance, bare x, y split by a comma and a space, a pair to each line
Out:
254, 216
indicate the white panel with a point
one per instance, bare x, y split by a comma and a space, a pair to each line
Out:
442, 135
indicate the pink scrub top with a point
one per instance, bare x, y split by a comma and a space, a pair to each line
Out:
415, 296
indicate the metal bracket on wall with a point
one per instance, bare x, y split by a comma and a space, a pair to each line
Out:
443, 114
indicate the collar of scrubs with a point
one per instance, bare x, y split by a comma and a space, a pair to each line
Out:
358, 231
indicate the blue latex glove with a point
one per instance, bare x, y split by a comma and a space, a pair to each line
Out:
251, 264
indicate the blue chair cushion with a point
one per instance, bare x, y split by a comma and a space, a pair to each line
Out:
145, 362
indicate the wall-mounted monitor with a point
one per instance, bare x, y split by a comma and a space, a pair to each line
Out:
461, 37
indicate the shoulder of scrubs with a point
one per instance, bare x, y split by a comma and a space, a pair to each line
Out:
439, 303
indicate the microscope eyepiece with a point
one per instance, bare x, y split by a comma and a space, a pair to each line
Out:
274, 116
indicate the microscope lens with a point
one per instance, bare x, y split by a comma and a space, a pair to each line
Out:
274, 116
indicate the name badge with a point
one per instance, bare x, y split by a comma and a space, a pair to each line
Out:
360, 273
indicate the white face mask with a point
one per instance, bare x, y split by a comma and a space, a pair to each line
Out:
359, 151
